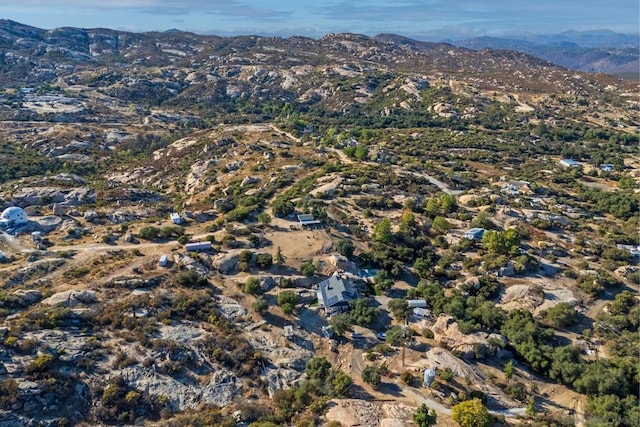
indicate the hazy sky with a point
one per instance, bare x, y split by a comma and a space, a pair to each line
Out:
426, 19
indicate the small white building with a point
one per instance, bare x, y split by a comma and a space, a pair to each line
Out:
13, 217
198, 246
568, 163
175, 218
164, 260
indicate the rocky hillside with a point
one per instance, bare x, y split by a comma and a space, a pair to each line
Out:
397, 147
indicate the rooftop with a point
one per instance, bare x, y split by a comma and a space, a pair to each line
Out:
336, 290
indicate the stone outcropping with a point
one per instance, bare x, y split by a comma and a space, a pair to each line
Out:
71, 298
45, 195
470, 346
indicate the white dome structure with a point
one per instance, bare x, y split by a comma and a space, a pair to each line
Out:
429, 376
13, 216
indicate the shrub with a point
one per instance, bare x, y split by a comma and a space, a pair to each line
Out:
261, 305
41, 363
190, 279
407, 377
252, 286
264, 261
370, 375
8, 393
307, 268
446, 374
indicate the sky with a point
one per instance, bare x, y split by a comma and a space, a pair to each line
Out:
422, 19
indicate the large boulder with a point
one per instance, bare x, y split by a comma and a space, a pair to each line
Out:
49, 223
28, 296
226, 262
71, 298
248, 181
477, 344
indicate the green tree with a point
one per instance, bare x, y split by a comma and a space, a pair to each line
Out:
341, 383
408, 222
363, 312
627, 183
340, 323
308, 268
559, 316
261, 305
440, 224
345, 247
288, 297
318, 368
397, 336
530, 409
501, 242
399, 309
264, 261
371, 375
471, 413
280, 258
264, 218
508, 370
252, 286
425, 417
382, 231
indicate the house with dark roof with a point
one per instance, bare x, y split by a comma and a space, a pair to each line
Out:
335, 293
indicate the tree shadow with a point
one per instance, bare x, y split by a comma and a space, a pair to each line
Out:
390, 388
358, 392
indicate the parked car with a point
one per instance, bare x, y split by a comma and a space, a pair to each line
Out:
381, 336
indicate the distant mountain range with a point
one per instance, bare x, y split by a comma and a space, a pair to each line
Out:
601, 51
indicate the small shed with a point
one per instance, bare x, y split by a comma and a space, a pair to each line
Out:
417, 303
164, 260
175, 218
308, 221
474, 234
198, 246
569, 163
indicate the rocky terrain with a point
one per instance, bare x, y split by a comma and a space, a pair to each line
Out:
398, 148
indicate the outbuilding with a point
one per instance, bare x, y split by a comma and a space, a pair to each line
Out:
568, 163
415, 303
13, 217
175, 218
164, 260
198, 246
474, 234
